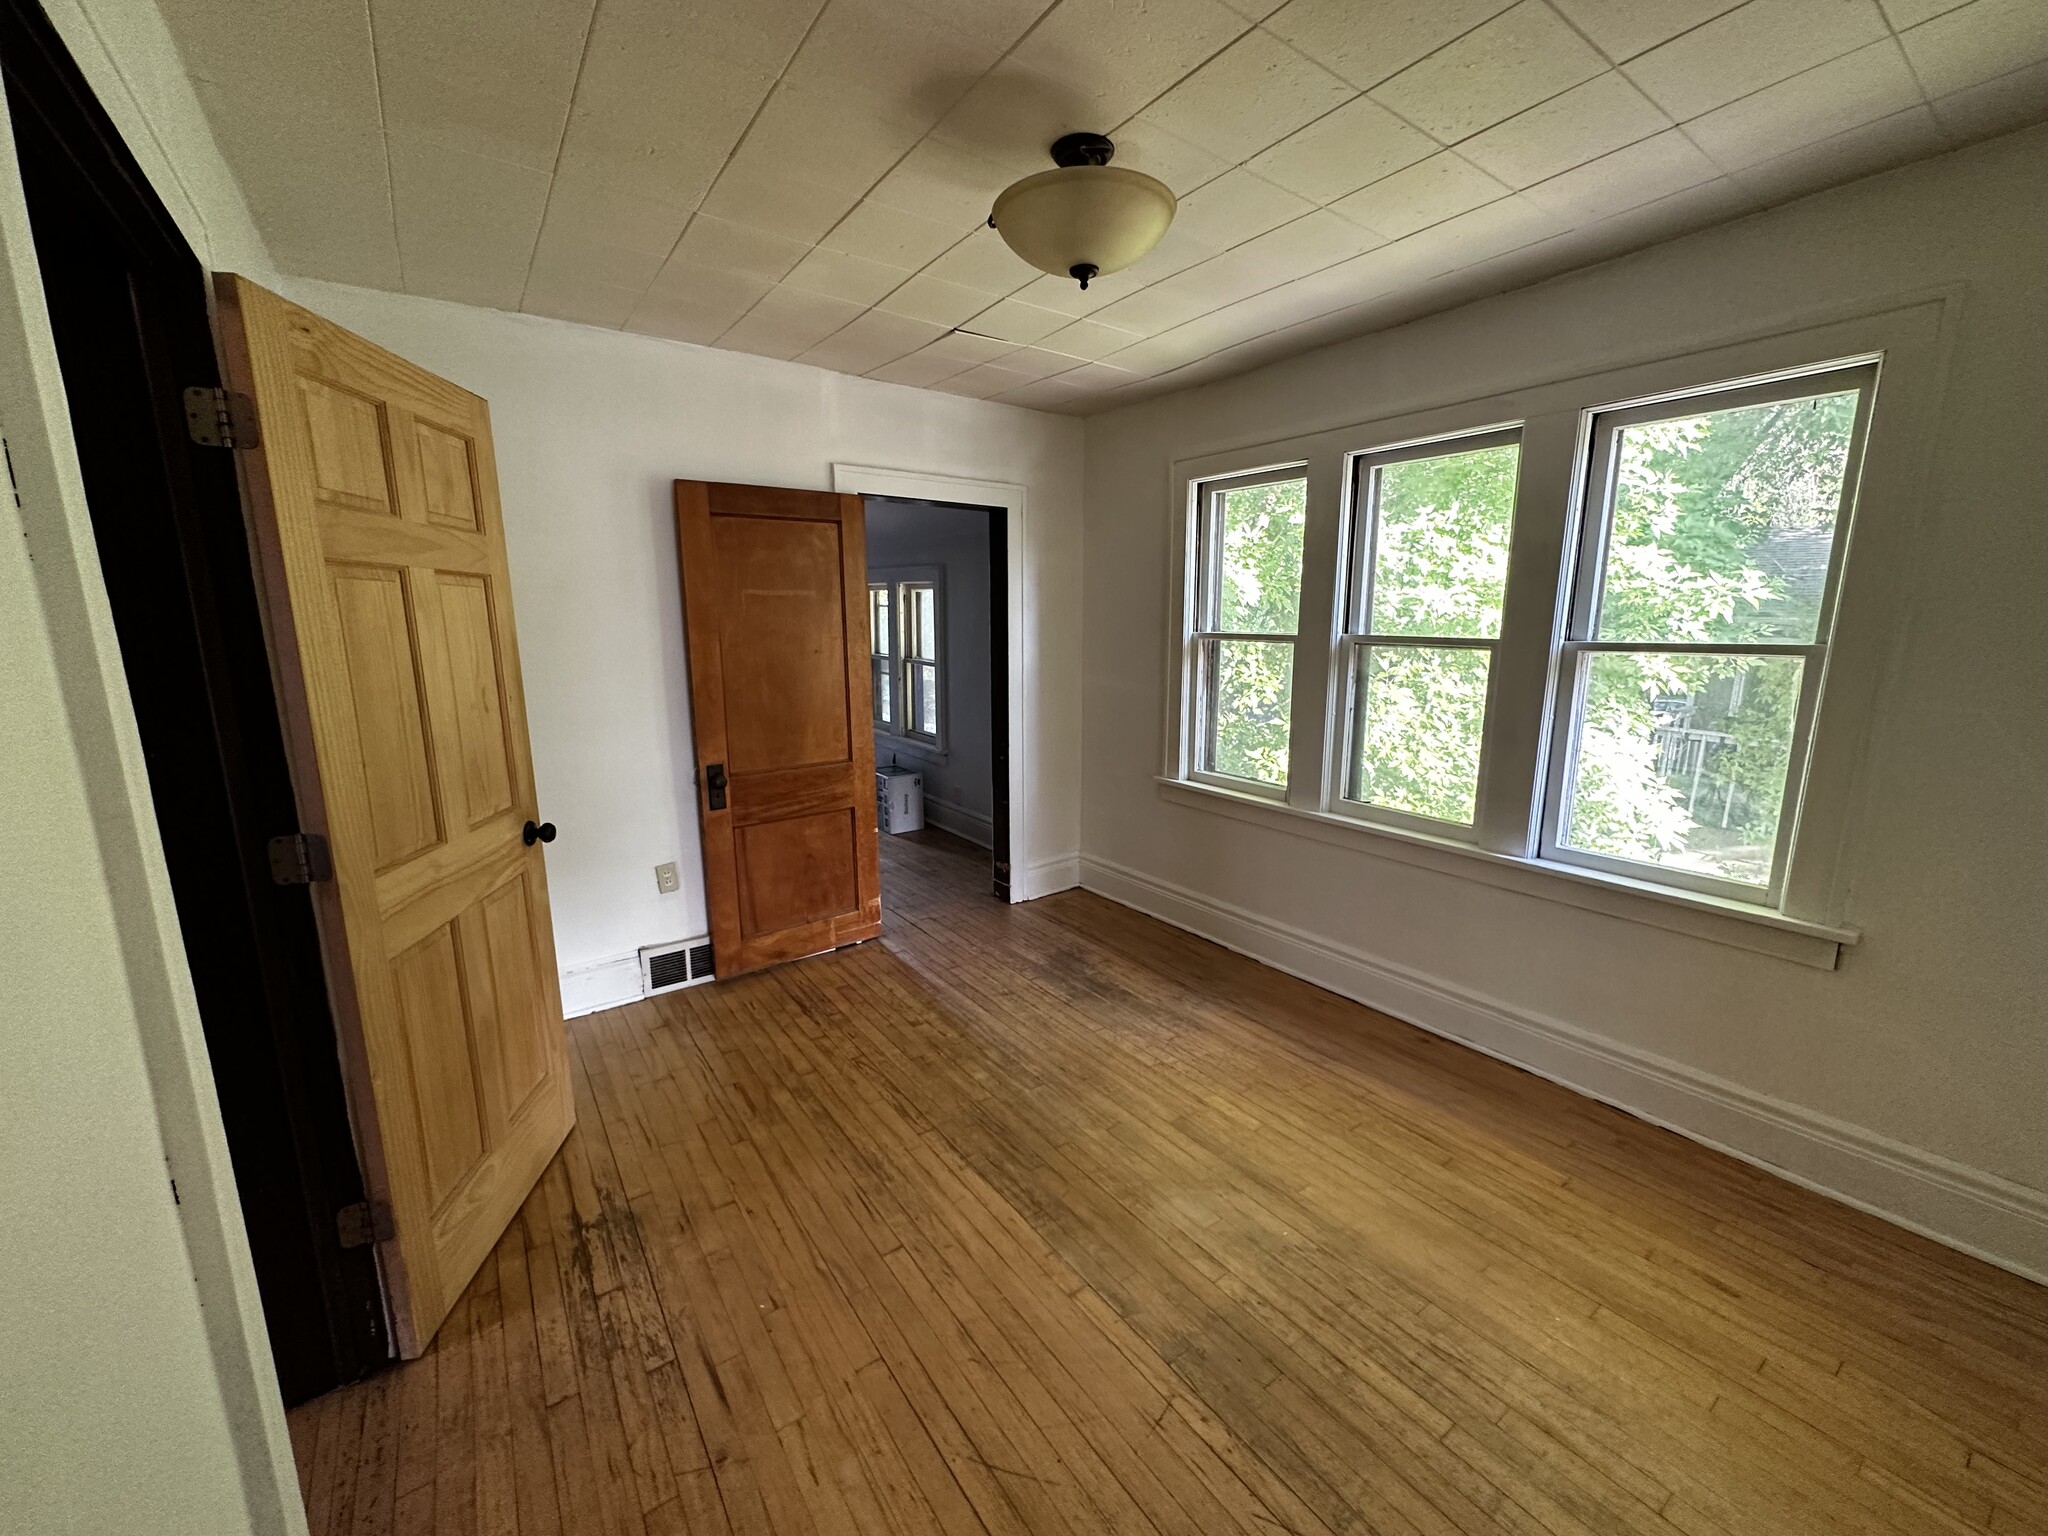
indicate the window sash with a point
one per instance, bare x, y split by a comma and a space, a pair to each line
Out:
1342, 798
1207, 721
1586, 575
913, 650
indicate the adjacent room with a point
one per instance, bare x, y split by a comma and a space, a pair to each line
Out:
997, 767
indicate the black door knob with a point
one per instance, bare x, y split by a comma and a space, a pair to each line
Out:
544, 833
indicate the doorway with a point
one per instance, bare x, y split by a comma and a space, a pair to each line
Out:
127, 304
938, 592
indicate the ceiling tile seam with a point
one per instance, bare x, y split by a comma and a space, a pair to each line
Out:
726, 165
1037, 22
384, 139
1926, 96
561, 144
1572, 26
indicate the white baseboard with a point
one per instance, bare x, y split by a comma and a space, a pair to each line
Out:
601, 984
1043, 877
1966, 1208
978, 827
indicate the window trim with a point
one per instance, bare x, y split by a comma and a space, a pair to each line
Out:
1584, 578
1913, 334
898, 579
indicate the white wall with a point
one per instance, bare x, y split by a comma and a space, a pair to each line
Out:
959, 789
592, 428
1915, 1077
136, 1385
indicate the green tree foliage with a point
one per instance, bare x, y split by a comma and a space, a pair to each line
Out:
1257, 592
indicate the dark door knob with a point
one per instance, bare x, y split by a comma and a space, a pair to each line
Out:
714, 786
544, 833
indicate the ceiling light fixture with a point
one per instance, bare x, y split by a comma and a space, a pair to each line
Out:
1086, 219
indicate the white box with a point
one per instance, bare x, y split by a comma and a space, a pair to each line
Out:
899, 799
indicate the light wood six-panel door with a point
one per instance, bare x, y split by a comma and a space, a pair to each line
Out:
374, 499
775, 611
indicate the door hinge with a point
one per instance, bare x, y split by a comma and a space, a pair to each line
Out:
300, 859
364, 1223
220, 418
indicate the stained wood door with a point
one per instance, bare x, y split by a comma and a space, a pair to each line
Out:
775, 612
374, 498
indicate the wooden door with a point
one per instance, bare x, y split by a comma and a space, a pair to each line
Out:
374, 498
775, 611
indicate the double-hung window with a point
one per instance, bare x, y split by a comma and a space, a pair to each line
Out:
1592, 638
903, 657
1428, 573
1247, 591
1701, 609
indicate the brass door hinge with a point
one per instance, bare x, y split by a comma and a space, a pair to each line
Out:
364, 1223
299, 859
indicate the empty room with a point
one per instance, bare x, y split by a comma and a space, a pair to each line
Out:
1024, 767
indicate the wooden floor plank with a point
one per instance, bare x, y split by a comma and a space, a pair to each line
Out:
1051, 1219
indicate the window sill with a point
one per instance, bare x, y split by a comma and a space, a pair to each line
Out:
1715, 918
889, 741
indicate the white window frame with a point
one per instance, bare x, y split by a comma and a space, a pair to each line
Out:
1576, 648
1801, 919
1360, 544
882, 663
1204, 598
900, 581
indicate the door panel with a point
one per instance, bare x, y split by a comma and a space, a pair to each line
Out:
775, 604
375, 505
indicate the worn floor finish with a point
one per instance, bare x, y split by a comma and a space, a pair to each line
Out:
1053, 1219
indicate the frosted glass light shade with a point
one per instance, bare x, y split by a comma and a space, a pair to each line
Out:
1083, 221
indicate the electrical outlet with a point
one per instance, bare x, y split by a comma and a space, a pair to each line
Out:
666, 879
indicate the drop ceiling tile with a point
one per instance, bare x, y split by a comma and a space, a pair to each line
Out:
1638, 174
1043, 395
1349, 148
788, 321
943, 182
1910, 134
1478, 235
1424, 194
920, 370
982, 381
493, 77
1253, 93
1144, 146
982, 262
1979, 42
1843, 93
1621, 29
870, 341
1089, 339
1036, 362
970, 348
1311, 243
1127, 50
1015, 321
892, 235
1098, 376
1583, 124
1753, 46
1233, 208
616, 218
1071, 299
720, 243
1910, 13
565, 258
785, 203
1997, 106
684, 282
1159, 308
680, 320
466, 225
925, 297
586, 303
853, 278
1524, 55
1368, 44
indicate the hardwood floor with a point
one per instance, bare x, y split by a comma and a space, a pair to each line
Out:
1053, 1219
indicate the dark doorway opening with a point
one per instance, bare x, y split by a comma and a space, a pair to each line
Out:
961, 554
127, 303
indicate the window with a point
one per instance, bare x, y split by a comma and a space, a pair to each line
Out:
1248, 537
1592, 639
882, 652
904, 617
1429, 570
1701, 610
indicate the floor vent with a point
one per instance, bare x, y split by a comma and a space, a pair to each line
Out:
664, 967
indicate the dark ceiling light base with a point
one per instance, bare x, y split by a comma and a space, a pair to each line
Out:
1082, 149
1081, 272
